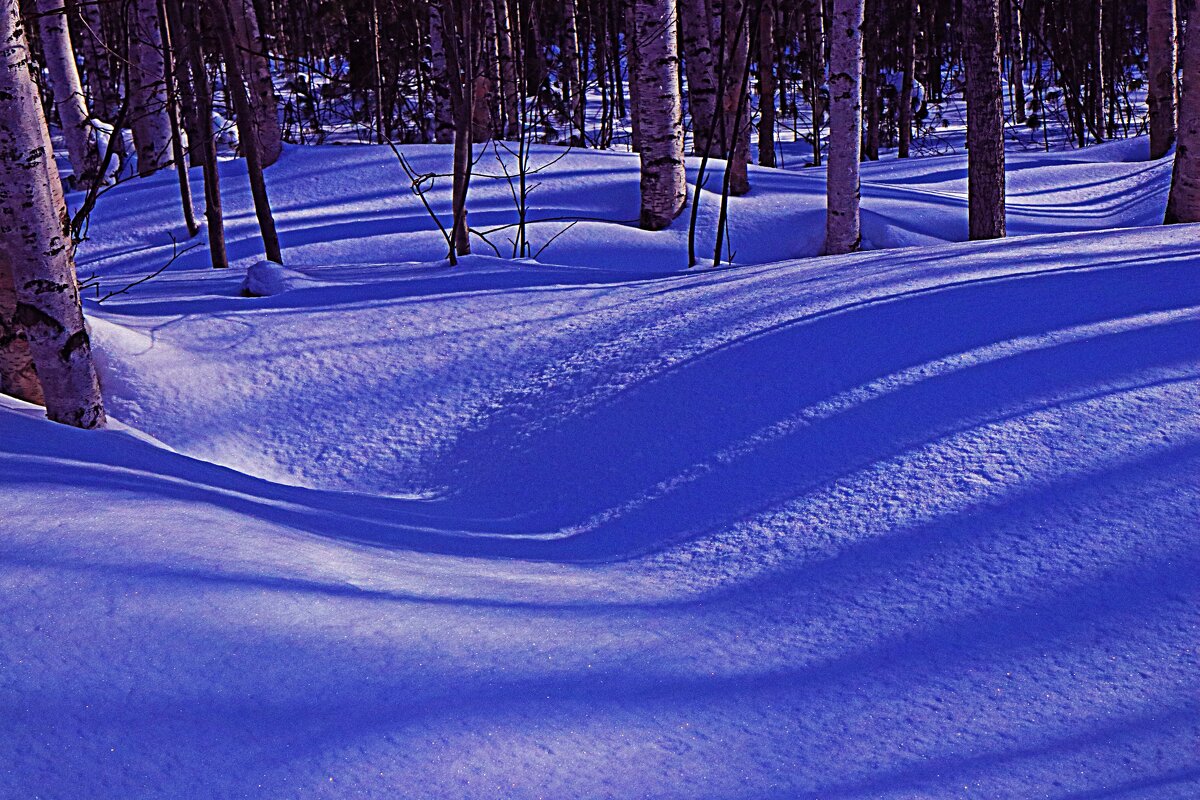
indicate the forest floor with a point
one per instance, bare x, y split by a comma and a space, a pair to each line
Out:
912, 523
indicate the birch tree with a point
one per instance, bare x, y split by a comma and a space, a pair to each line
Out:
97, 51
35, 250
256, 72
843, 226
660, 113
1161, 46
698, 59
985, 119
443, 120
69, 102
1183, 204
148, 97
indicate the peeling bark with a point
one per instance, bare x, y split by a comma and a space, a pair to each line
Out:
35, 241
659, 113
843, 227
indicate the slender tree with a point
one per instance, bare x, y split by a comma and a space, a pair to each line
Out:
985, 119
843, 227
1161, 27
660, 113
35, 250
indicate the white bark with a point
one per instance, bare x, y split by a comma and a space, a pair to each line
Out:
35, 239
659, 113
148, 96
256, 72
69, 101
1161, 39
843, 226
1183, 204
96, 50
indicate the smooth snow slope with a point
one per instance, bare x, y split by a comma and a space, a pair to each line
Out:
911, 524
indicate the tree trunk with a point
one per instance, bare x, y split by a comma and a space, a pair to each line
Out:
1161, 30
632, 57
843, 231
814, 31
1183, 204
508, 70
247, 132
148, 96
35, 243
177, 156
459, 20
573, 80
734, 104
698, 61
1016, 76
96, 49
18, 375
256, 70
766, 84
443, 123
186, 20
870, 92
659, 112
69, 102
908, 55
985, 119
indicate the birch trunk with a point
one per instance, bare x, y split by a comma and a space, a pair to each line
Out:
1183, 204
148, 96
699, 64
632, 46
35, 242
443, 122
508, 71
1161, 32
96, 49
843, 227
814, 31
69, 101
659, 113
573, 83
985, 119
18, 375
256, 71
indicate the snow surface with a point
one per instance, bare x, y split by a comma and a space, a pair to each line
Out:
913, 523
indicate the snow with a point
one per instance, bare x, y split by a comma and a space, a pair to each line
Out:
915, 522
